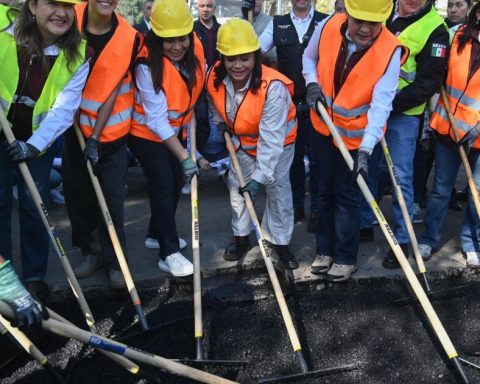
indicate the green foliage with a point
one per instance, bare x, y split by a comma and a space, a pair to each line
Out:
131, 10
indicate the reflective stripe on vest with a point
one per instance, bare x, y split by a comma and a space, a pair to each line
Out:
57, 79
245, 127
348, 109
180, 104
111, 68
463, 94
415, 36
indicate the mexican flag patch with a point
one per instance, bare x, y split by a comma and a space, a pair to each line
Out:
439, 50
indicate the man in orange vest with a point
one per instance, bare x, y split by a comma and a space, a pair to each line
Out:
351, 65
104, 118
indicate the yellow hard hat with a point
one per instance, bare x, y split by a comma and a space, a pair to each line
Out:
369, 10
69, 1
236, 37
171, 18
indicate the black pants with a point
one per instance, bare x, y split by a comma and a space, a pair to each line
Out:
165, 179
81, 202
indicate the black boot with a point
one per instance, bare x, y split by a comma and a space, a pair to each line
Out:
237, 249
390, 261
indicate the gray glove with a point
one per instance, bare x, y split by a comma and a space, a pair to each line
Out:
21, 151
360, 165
189, 168
252, 188
470, 137
247, 5
92, 152
314, 94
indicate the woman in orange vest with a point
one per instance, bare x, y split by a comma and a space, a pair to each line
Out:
253, 103
463, 90
104, 118
169, 78
351, 65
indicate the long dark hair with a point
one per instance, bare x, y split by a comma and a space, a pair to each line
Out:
256, 81
29, 39
155, 61
471, 25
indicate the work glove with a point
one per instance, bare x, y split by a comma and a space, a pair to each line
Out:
314, 94
252, 188
28, 312
360, 165
247, 5
21, 151
91, 152
189, 169
469, 138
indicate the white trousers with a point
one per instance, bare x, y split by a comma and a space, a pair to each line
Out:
277, 222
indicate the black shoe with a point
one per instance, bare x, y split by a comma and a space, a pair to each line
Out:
298, 214
366, 235
454, 205
462, 194
285, 257
313, 223
390, 261
237, 249
39, 289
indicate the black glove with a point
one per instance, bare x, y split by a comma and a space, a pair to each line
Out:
314, 94
247, 5
91, 152
20, 151
469, 138
252, 188
360, 165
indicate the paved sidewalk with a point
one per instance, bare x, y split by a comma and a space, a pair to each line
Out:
215, 234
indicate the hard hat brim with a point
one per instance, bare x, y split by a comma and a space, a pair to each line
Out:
375, 17
238, 51
172, 32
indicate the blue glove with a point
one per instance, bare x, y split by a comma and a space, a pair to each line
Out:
21, 151
252, 188
27, 310
189, 169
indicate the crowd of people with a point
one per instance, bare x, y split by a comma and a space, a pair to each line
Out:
375, 66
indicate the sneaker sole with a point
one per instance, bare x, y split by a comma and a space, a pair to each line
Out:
333, 279
182, 245
89, 273
318, 271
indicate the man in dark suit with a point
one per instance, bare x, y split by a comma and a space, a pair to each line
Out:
144, 26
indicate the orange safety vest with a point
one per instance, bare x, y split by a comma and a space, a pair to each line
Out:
348, 109
245, 126
111, 68
463, 94
180, 103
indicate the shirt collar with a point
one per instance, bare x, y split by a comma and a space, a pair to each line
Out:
148, 24
229, 85
309, 16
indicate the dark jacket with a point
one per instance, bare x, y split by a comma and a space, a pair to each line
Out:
209, 47
141, 27
430, 69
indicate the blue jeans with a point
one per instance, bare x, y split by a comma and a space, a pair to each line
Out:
401, 137
374, 183
447, 163
34, 240
297, 170
338, 203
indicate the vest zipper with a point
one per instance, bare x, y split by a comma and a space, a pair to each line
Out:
21, 88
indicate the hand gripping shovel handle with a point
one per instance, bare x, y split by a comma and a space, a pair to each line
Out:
57, 244
287, 318
406, 216
392, 241
69, 331
197, 278
29, 347
461, 150
113, 236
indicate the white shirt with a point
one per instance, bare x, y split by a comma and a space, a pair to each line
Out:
383, 92
301, 26
147, 23
272, 128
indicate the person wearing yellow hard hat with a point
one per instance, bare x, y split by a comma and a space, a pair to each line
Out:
44, 69
420, 28
254, 104
170, 77
104, 119
351, 65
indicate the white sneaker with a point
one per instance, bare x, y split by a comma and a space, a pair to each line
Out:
186, 189
425, 251
153, 243
176, 264
473, 260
